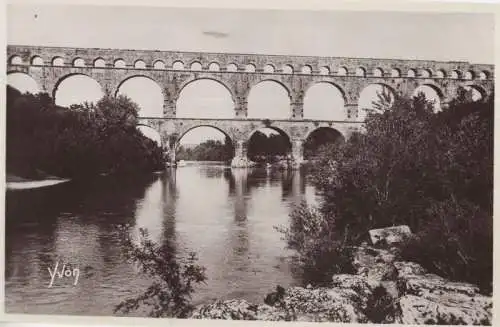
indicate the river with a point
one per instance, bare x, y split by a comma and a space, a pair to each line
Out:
227, 216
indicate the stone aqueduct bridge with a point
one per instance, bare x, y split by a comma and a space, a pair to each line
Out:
172, 70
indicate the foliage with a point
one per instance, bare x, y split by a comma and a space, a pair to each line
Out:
173, 278
427, 170
320, 250
267, 148
82, 140
210, 150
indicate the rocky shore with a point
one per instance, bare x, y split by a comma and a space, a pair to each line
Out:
383, 290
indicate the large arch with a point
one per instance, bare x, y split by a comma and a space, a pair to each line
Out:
319, 137
264, 142
375, 98
205, 98
269, 99
477, 92
324, 101
22, 82
431, 93
76, 89
196, 135
145, 92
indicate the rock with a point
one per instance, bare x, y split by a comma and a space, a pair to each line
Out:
325, 304
431, 299
412, 309
406, 268
242, 162
389, 235
238, 310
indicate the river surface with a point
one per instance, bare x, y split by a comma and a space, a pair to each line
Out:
227, 216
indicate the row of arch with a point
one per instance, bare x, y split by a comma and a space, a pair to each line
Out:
209, 131
208, 98
268, 68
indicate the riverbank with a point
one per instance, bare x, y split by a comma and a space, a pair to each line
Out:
15, 182
383, 290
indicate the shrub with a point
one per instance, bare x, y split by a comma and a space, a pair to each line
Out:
465, 247
173, 278
320, 253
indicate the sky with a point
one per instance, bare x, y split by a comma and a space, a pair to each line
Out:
405, 35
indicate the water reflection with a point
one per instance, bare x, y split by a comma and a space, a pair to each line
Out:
226, 216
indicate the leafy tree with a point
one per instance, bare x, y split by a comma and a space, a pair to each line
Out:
82, 140
174, 278
415, 167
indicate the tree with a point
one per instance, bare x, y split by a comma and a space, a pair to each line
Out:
174, 278
433, 172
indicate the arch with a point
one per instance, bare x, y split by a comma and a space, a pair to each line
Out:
195, 66
378, 72
259, 149
325, 70
441, 74
120, 63
469, 75
477, 92
22, 82
455, 74
319, 137
483, 75
426, 73
214, 67
139, 64
342, 71
99, 62
159, 64
375, 98
325, 101
178, 65
268, 68
74, 89
151, 133
411, 73
57, 61
269, 99
306, 69
191, 128
432, 93
360, 72
287, 69
395, 72
250, 68
16, 60
37, 61
232, 67
79, 62
145, 92
205, 98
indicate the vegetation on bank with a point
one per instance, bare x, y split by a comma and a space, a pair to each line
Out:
210, 150
83, 140
430, 171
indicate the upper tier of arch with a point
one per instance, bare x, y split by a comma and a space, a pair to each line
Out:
282, 64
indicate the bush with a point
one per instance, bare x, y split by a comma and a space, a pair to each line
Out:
464, 251
79, 141
432, 172
173, 278
320, 252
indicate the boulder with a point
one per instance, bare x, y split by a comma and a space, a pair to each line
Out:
412, 309
389, 235
238, 310
325, 305
430, 299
